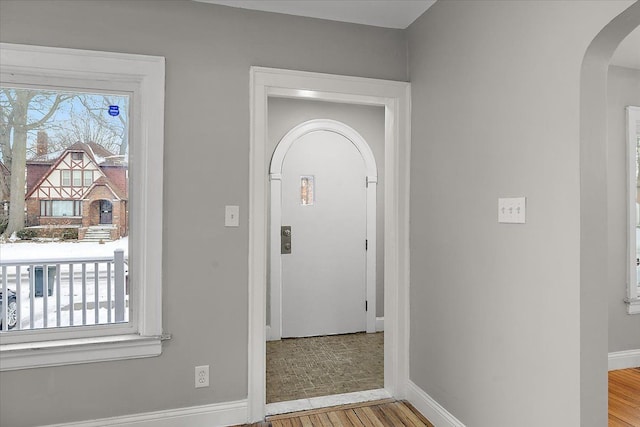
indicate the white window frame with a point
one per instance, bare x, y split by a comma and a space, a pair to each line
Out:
143, 78
633, 290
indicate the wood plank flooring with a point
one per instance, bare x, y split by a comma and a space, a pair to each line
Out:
381, 413
624, 398
624, 410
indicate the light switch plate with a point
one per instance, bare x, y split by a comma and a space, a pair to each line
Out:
512, 210
231, 216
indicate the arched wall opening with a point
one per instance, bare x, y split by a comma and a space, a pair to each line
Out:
593, 215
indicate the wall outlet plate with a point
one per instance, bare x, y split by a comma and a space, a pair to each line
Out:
202, 376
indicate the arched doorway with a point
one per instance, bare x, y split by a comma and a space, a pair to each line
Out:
100, 212
321, 134
593, 215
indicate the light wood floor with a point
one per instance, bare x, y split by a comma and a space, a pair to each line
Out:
624, 398
381, 413
624, 410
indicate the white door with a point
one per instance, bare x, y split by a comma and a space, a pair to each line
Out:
324, 201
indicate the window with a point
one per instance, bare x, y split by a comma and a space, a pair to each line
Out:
135, 329
77, 178
306, 190
61, 208
66, 178
633, 172
76, 156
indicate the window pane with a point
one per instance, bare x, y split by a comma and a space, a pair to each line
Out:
73, 141
62, 207
45, 207
306, 190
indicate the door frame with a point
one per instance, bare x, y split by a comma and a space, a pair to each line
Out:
275, 176
395, 98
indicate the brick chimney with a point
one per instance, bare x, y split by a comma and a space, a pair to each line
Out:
42, 146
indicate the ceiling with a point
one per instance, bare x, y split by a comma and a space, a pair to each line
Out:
379, 13
390, 14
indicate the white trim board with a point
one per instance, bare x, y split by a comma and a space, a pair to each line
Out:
326, 401
633, 132
624, 359
215, 415
395, 98
431, 409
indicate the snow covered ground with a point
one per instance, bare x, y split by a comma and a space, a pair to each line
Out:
73, 302
27, 251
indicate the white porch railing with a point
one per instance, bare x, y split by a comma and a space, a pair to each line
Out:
54, 293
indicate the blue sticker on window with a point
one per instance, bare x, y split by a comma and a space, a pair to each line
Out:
114, 110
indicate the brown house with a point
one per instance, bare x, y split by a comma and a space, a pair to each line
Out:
85, 186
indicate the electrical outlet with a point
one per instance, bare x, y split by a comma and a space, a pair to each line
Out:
202, 376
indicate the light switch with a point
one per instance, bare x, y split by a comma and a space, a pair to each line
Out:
232, 216
512, 210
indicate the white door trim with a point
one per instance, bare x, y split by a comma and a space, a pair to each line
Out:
275, 175
395, 98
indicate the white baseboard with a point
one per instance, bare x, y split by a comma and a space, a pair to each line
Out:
379, 324
431, 409
624, 359
215, 415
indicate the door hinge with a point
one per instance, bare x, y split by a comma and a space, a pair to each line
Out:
366, 306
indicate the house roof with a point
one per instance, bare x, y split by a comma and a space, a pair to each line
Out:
97, 153
100, 155
104, 181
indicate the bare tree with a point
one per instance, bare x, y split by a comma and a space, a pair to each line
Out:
83, 127
120, 130
6, 125
16, 122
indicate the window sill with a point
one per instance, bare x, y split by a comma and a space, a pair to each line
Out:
633, 305
76, 351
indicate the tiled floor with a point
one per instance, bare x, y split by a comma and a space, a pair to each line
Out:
301, 368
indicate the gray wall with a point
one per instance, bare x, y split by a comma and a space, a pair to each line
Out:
495, 308
284, 114
623, 90
208, 51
